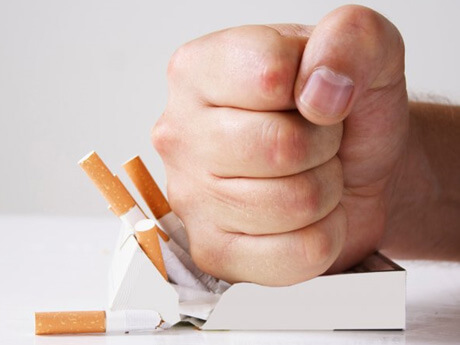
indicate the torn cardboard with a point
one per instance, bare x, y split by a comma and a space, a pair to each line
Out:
370, 296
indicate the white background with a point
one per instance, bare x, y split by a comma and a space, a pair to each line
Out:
82, 75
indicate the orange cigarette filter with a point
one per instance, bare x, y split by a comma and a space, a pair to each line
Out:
121, 202
148, 241
109, 185
70, 322
147, 187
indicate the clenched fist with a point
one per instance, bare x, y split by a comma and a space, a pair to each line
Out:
282, 144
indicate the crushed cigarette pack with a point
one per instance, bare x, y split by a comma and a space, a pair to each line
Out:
152, 270
369, 296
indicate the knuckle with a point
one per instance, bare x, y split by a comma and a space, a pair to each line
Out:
372, 28
317, 251
205, 258
315, 193
207, 255
366, 26
163, 135
362, 20
320, 245
321, 250
283, 143
273, 61
179, 61
274, 76
202, 255
177, 196
377, 38
303, 201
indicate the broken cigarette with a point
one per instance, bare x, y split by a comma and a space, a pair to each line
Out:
147, 237
175, 259
176, 270
75, 322
121, 203
156, 201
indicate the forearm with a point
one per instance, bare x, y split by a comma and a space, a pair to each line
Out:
424, 204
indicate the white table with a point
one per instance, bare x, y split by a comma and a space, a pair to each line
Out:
56, 263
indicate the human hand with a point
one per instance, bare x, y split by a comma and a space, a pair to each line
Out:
281, 144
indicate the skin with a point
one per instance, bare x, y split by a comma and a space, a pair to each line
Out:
275, 190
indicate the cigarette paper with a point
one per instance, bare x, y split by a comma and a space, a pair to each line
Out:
176, 270
211, 283
175, 229
109, 185
123, 205
156, 201
199, 304
75, 322
147, 237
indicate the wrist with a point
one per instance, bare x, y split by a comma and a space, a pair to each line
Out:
423, 197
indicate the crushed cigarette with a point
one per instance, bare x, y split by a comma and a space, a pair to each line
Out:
147, 237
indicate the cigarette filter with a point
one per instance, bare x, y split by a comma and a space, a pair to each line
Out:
176, 270
156, 201
70, 322
147, 237
147, 187
75, 322
168, 220
109, 185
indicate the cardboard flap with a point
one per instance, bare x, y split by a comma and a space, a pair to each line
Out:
135, 283
369, 296
372, 300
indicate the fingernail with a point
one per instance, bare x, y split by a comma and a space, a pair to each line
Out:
327, 92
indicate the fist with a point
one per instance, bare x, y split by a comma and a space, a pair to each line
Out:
281, 144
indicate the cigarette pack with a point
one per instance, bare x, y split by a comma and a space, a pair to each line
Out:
369, 296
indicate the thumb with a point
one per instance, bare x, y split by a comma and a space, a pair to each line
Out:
351, 51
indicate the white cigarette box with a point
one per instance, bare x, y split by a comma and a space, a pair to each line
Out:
370, 296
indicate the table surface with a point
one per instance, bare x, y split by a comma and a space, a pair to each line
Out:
57, 263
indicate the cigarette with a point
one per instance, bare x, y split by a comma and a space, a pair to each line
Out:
177, 264
147, 187
77, 322
156, 201
147, 237
176, 270
122, 204
111, 188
